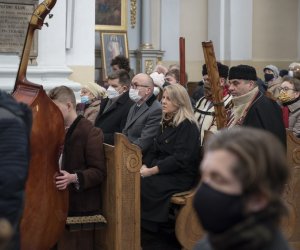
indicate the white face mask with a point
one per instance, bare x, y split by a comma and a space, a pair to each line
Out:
134, 95
112, 92
291, 73
156, 91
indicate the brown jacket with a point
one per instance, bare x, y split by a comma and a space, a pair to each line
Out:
83, 154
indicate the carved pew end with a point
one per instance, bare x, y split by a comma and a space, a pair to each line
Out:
187, 227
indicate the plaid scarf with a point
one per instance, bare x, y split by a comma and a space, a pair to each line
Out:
256, 232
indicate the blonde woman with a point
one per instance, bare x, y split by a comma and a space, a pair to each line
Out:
171, 164
91, 95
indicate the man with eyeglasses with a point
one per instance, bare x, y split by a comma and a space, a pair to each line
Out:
250, 106
144, 116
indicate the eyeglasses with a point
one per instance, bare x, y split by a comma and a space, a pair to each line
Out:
285, 89
135, 86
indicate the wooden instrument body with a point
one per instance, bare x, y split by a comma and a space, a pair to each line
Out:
45, 208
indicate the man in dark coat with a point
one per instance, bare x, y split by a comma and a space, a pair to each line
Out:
250, 106
15, 127
114, 109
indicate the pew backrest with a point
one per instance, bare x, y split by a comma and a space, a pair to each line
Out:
121, 196
291, 224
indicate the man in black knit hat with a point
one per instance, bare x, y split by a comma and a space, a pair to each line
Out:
250, 106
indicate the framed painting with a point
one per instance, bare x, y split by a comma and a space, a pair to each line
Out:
113, 43
111, 14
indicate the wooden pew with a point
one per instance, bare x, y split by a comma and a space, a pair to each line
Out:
187, 227
291, 224
121, 200
121, 196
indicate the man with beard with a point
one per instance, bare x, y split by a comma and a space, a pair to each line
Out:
204, 109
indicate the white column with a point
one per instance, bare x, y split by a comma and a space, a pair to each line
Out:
230, 28
298, 56
170, 29
156, 23
146, 41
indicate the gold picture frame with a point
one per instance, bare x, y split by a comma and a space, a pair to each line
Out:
111, 15
113, 43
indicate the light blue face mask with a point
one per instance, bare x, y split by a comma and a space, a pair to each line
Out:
84, 99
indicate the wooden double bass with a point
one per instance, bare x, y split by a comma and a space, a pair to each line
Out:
45, 208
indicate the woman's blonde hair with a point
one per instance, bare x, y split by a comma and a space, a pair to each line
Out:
180, 98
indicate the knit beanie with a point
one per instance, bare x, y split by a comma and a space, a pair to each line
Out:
243, 72
95, 89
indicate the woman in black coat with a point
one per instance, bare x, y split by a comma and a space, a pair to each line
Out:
171, 164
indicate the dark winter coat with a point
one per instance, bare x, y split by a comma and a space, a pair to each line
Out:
15, 127
114, 118
175, 151
266, 114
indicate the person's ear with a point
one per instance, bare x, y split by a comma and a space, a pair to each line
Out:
69, 106
125, 88
222, 82
256, 202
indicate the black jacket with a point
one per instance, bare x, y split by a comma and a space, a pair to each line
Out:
176, 152
15, 127
266, 114
114, 118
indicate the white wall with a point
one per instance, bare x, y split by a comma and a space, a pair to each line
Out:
83, 49
54, 61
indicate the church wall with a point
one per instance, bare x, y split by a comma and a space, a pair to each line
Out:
80, 58
275, 32
187, 19
82, 74
274, 38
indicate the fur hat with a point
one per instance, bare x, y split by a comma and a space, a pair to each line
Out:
244, 72
222, 68
95, 89
274, 70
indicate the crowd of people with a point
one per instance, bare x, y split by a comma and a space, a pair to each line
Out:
240, 180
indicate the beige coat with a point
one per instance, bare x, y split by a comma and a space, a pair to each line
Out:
92, 111
294, 117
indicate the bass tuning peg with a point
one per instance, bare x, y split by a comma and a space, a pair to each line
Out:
50, 15
46, 24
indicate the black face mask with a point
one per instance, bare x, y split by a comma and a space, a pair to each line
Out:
268, 77
217, 211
